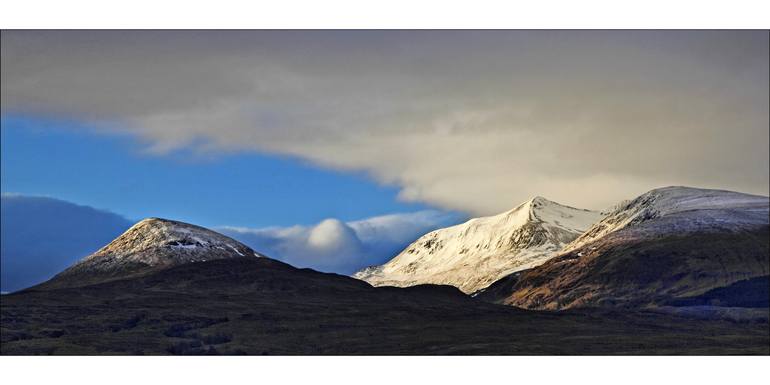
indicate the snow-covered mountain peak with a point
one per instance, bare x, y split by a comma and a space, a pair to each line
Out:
168, 234
159, 242
540, 210
481, 250
714, 208
539, 199
672, 199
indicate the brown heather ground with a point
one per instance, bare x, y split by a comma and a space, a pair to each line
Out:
261, 306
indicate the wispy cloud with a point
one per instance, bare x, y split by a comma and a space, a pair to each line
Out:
469, 120
336, 246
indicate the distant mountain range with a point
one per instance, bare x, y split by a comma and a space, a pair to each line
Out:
657, 274
673, 242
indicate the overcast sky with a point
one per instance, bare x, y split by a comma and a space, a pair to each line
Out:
476, 121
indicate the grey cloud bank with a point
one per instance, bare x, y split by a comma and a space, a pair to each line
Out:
39, 237
471, 120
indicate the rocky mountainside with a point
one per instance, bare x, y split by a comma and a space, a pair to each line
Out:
474, 254
666, 245
151, 244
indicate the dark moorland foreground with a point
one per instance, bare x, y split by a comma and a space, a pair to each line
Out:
262, 306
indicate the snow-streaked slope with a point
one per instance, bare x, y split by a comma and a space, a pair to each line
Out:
155, 242
714, 208
474, 254
669, 243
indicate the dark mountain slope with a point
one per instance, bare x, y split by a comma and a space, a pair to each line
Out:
261, 306
749, 293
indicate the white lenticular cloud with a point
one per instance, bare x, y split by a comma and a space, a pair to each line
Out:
336, 246
468, 120
332, 236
